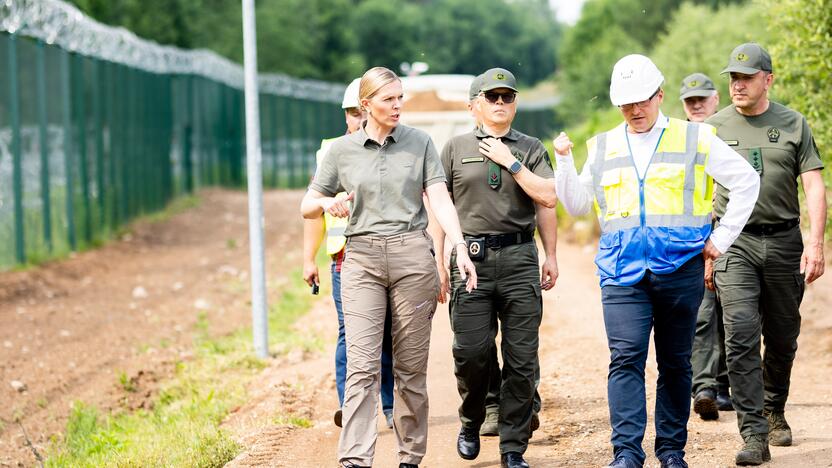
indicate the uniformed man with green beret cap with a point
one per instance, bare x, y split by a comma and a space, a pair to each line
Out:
761, 278
501, 183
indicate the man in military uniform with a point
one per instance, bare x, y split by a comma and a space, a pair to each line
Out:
760, 279
700, 100
500, 180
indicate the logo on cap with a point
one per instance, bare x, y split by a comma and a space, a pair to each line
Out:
773, 134
693, 84
741, 57
500, 76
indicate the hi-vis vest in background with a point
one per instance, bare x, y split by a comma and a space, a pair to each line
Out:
659, 222
335, 240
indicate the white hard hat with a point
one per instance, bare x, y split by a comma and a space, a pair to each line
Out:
351, 95
634, 79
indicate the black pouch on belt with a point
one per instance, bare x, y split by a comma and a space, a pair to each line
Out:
476, 248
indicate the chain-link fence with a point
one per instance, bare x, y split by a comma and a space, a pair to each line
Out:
98, 126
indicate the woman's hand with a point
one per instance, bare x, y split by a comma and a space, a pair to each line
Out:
467, 271
444, 284
337, 207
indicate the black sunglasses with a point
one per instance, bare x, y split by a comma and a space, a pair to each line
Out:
492, 96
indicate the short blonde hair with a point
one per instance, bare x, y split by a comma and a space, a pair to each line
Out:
373, 80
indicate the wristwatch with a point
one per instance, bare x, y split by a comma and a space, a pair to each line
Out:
515, 167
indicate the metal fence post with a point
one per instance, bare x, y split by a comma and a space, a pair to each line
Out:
260, 326
81, 117
66, 92
17, 163
43, 134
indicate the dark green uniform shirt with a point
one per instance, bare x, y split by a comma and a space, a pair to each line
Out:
482, 209
777, 143
388, 180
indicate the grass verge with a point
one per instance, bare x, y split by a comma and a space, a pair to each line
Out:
183, 426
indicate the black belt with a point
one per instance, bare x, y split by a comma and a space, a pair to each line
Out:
769, 229
498, 241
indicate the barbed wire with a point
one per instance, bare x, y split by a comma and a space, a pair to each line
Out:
58, 23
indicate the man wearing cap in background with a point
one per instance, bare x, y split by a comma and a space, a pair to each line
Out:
500, 181
650, 179
313, 232
761, 278
700, 100
699, 97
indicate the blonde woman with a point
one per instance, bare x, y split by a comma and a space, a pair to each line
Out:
385, 168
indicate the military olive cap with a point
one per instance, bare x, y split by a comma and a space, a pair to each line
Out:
497, 78
697, 85
474, 90
748, 59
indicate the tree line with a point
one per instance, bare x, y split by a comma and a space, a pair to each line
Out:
684, 38
336, 40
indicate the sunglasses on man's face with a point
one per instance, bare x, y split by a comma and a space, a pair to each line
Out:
492, 96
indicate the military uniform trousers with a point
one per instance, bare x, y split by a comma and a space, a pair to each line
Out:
508, 289
399, 270
708, 358
760, 287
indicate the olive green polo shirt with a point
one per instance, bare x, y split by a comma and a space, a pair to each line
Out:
481, 208
388, 179
777, 143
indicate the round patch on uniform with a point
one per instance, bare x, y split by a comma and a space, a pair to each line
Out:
500, 76
741, 57
693, 84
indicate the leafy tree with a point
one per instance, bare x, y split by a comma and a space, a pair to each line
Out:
609, 28
386, 32
802, 60
700, 39
338, 39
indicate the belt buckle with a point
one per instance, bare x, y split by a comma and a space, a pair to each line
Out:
476, 248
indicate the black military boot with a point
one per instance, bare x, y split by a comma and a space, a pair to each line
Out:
704, 404
468, 443
754, 451
779, 432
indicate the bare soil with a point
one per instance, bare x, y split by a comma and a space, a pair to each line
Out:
90, 327
75, 329
574, 421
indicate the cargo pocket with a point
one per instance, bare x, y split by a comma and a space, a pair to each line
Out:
609, 249
800, 279
611, 188
720, 267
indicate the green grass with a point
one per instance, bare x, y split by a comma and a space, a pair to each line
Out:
183, 428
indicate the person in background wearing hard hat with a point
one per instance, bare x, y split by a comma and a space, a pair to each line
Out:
651, 181
500, 182
760, 280
386, 168
313, 232
710, 374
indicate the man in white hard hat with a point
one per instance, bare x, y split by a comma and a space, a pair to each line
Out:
651, 181
333, 227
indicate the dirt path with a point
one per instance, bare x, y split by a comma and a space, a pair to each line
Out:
574, 358
122, 315
72, 329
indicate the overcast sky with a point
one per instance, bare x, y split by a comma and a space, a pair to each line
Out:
568, 10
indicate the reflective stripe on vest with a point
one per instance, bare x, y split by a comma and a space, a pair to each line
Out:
658, 223
335, 227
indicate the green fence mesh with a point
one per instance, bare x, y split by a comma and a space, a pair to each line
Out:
98, 127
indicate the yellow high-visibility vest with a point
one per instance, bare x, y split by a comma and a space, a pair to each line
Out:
658, 222
335, 240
